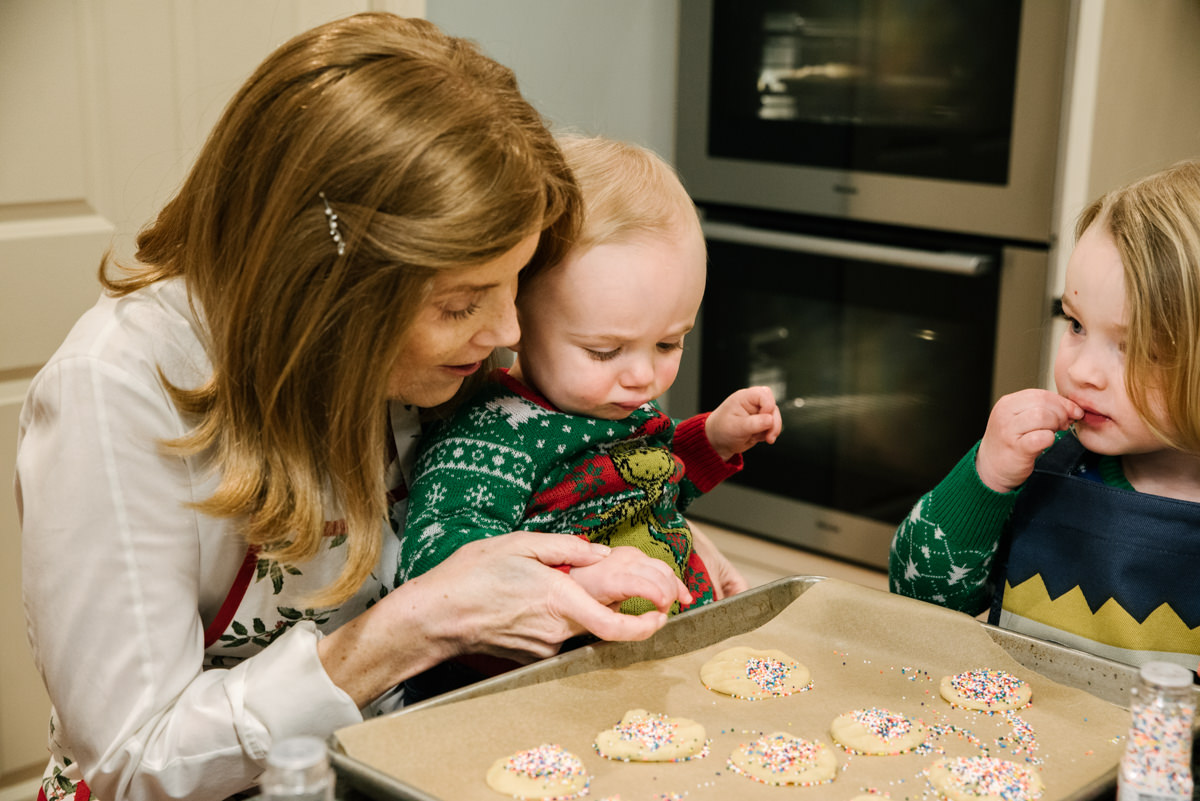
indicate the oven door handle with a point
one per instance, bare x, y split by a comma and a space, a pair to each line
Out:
940, 261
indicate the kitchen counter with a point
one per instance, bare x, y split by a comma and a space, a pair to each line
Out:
761, 560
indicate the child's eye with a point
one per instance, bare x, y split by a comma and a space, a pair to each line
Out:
667, 347
603, 355
1072, 323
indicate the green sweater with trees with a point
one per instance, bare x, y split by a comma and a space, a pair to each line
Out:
508, 460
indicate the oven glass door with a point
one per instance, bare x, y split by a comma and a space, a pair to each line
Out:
880, 357
921, 88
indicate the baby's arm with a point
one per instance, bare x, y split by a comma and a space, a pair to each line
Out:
744, 419
1021, 426
451, 503
726, 579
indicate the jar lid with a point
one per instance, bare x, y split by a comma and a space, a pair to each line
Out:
297, 753
1167, 674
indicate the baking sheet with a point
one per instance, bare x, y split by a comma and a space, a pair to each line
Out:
864, 647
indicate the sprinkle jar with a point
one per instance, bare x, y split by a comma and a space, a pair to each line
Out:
1156, 765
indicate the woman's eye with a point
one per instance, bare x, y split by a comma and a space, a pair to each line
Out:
460, 313
603, 355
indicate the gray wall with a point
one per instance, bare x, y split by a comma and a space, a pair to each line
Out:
591, 66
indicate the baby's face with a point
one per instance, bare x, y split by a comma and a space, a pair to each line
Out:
603, 333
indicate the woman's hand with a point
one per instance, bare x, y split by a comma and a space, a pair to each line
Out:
744, 419
726, 579
1021, 426
612, 579
499, 596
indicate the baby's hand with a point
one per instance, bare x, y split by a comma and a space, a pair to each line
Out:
746, 418
1021, 426
628, 573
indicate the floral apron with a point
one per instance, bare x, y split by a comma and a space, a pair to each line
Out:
256, 610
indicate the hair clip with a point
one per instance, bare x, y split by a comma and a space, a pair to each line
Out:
333, 225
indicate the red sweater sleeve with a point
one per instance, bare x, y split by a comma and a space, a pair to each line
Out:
703, 465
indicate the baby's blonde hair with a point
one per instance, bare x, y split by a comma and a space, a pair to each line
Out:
1155, 223
628, 191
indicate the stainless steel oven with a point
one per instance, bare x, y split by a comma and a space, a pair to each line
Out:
876, 182
930, 113
885, 351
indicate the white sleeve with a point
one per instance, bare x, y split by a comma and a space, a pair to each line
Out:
112, 576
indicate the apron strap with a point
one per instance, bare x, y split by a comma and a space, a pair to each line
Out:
1062, 456
233, 599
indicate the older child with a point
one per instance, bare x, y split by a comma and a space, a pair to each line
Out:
1078, 514
571, 439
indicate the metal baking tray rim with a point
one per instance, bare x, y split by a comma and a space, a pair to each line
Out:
1105, 678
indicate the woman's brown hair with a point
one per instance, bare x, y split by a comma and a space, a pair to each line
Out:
1155, 224
432, 160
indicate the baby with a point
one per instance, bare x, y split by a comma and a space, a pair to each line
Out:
571, 438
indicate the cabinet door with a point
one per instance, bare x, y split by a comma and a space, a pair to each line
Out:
103, 104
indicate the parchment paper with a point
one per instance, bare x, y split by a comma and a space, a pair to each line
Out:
865, 648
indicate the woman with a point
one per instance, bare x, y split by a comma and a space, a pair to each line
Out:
202, 474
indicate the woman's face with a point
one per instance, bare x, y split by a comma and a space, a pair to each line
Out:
468, 314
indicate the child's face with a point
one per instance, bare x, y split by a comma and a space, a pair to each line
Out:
1090, 365
602, 333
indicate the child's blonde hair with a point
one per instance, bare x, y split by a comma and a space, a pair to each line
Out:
433, 161
628, 191
1155, 223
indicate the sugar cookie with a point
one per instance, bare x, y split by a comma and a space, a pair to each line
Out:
780, 759
643, 736
548, 771
753, 674
877, 731
987, 690
984, 779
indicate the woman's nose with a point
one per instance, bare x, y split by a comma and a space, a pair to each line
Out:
501, 329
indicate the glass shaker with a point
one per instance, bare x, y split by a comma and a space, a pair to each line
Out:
298, 769
1157, 764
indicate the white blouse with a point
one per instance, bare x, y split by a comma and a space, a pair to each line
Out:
121, 578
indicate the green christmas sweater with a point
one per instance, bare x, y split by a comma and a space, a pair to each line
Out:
508, 460
943, 551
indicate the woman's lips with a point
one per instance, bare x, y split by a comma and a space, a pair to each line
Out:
464, 369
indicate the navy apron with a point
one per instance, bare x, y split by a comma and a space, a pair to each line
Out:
1101, 569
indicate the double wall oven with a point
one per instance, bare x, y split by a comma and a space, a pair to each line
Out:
876, 181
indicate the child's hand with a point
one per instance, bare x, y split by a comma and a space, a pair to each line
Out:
1021, 426
746, 418
627, 573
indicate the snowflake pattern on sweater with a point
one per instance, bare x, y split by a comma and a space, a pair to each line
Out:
509, 461
943, 551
